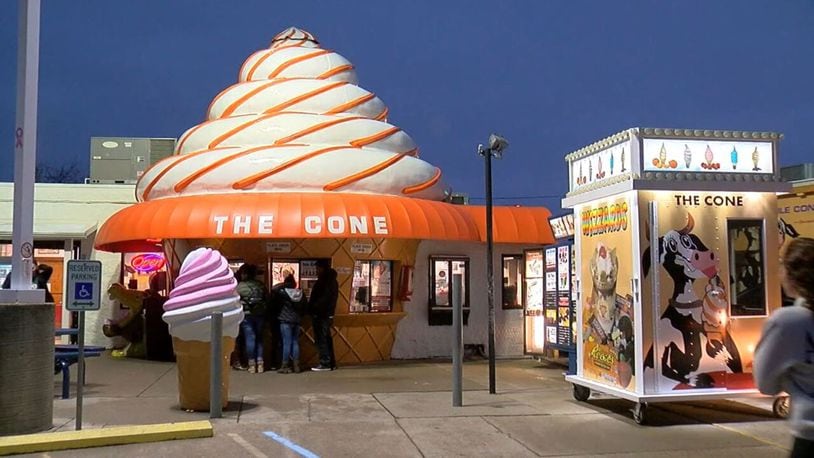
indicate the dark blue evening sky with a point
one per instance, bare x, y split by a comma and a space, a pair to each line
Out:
551, 76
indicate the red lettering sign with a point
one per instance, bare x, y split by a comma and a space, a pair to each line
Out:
147, 262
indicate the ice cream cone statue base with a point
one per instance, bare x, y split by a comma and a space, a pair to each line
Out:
193, 359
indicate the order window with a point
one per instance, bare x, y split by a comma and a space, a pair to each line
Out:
441, 272
512, 281
372, 288
747, 273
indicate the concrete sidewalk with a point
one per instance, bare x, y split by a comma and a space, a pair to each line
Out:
404, 409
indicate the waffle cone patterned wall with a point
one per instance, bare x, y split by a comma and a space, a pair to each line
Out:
357, 337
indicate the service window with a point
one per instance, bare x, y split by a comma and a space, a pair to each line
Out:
747, 272
441, 271
512, 281
303, 270
372, 287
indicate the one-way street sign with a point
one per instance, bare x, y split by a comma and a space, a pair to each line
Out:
84, 285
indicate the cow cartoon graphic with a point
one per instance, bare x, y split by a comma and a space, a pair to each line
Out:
693, 342
786, 230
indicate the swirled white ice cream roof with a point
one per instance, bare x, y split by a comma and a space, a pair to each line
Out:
296, 121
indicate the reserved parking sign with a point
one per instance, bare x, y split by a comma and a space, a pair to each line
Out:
84, 283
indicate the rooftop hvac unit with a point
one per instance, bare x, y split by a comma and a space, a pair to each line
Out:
798, 172
124, 160
458, 198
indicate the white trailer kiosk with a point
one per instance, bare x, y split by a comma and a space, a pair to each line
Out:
677, 262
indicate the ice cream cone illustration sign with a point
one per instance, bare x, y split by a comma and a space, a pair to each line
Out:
607, 318
205, 285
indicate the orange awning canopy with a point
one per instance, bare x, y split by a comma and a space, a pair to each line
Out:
313, 215
514, 224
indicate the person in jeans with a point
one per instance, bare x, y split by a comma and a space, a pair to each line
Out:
322, 306
784, 357
291, 303
253, 295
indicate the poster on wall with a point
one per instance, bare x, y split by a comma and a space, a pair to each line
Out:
607, 317
534, 320
534, 280
712, 269
563, 268
550, 295
795, 219
381, 286
564, 303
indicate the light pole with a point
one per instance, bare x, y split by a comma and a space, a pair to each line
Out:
497, 145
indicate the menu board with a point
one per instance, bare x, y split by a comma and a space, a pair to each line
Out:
381, 286
562, 226
550, 295
564, 295
534, 332
534, 281
574, 294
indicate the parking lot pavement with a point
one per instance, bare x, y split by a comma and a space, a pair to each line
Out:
405, 409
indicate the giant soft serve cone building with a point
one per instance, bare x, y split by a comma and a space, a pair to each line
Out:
296, 162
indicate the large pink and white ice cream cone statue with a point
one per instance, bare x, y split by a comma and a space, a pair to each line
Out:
204, 286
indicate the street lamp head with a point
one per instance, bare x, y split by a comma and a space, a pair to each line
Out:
497, 144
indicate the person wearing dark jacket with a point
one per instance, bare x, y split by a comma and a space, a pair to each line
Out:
253, 297
291, 303
322, 306
157, 336
42, 274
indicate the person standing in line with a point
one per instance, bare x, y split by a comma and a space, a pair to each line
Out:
322, 306
784, 357
275, 353
291, 304
253, 296
42, 275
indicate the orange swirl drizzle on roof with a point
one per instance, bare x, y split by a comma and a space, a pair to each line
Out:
334, 185
225, 136
189, 179
383, 115
189, 133
316, 128
243, 65
234, 105
351, 104
306, 96
422, 186
182, 158
251, 180
364, 141
290, 63
335, 71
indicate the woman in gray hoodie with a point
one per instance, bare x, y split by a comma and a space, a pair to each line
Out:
784, 358
291, 304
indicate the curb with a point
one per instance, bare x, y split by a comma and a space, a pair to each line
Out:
119, 435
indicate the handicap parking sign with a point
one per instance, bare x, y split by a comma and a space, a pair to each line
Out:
84, 283
83, 291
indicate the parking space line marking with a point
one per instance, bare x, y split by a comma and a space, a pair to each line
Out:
246, 445
291, 445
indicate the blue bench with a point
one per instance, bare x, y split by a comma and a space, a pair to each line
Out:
67, 355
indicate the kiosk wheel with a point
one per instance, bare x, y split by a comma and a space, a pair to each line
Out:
781, 407
640, 413
581, 393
